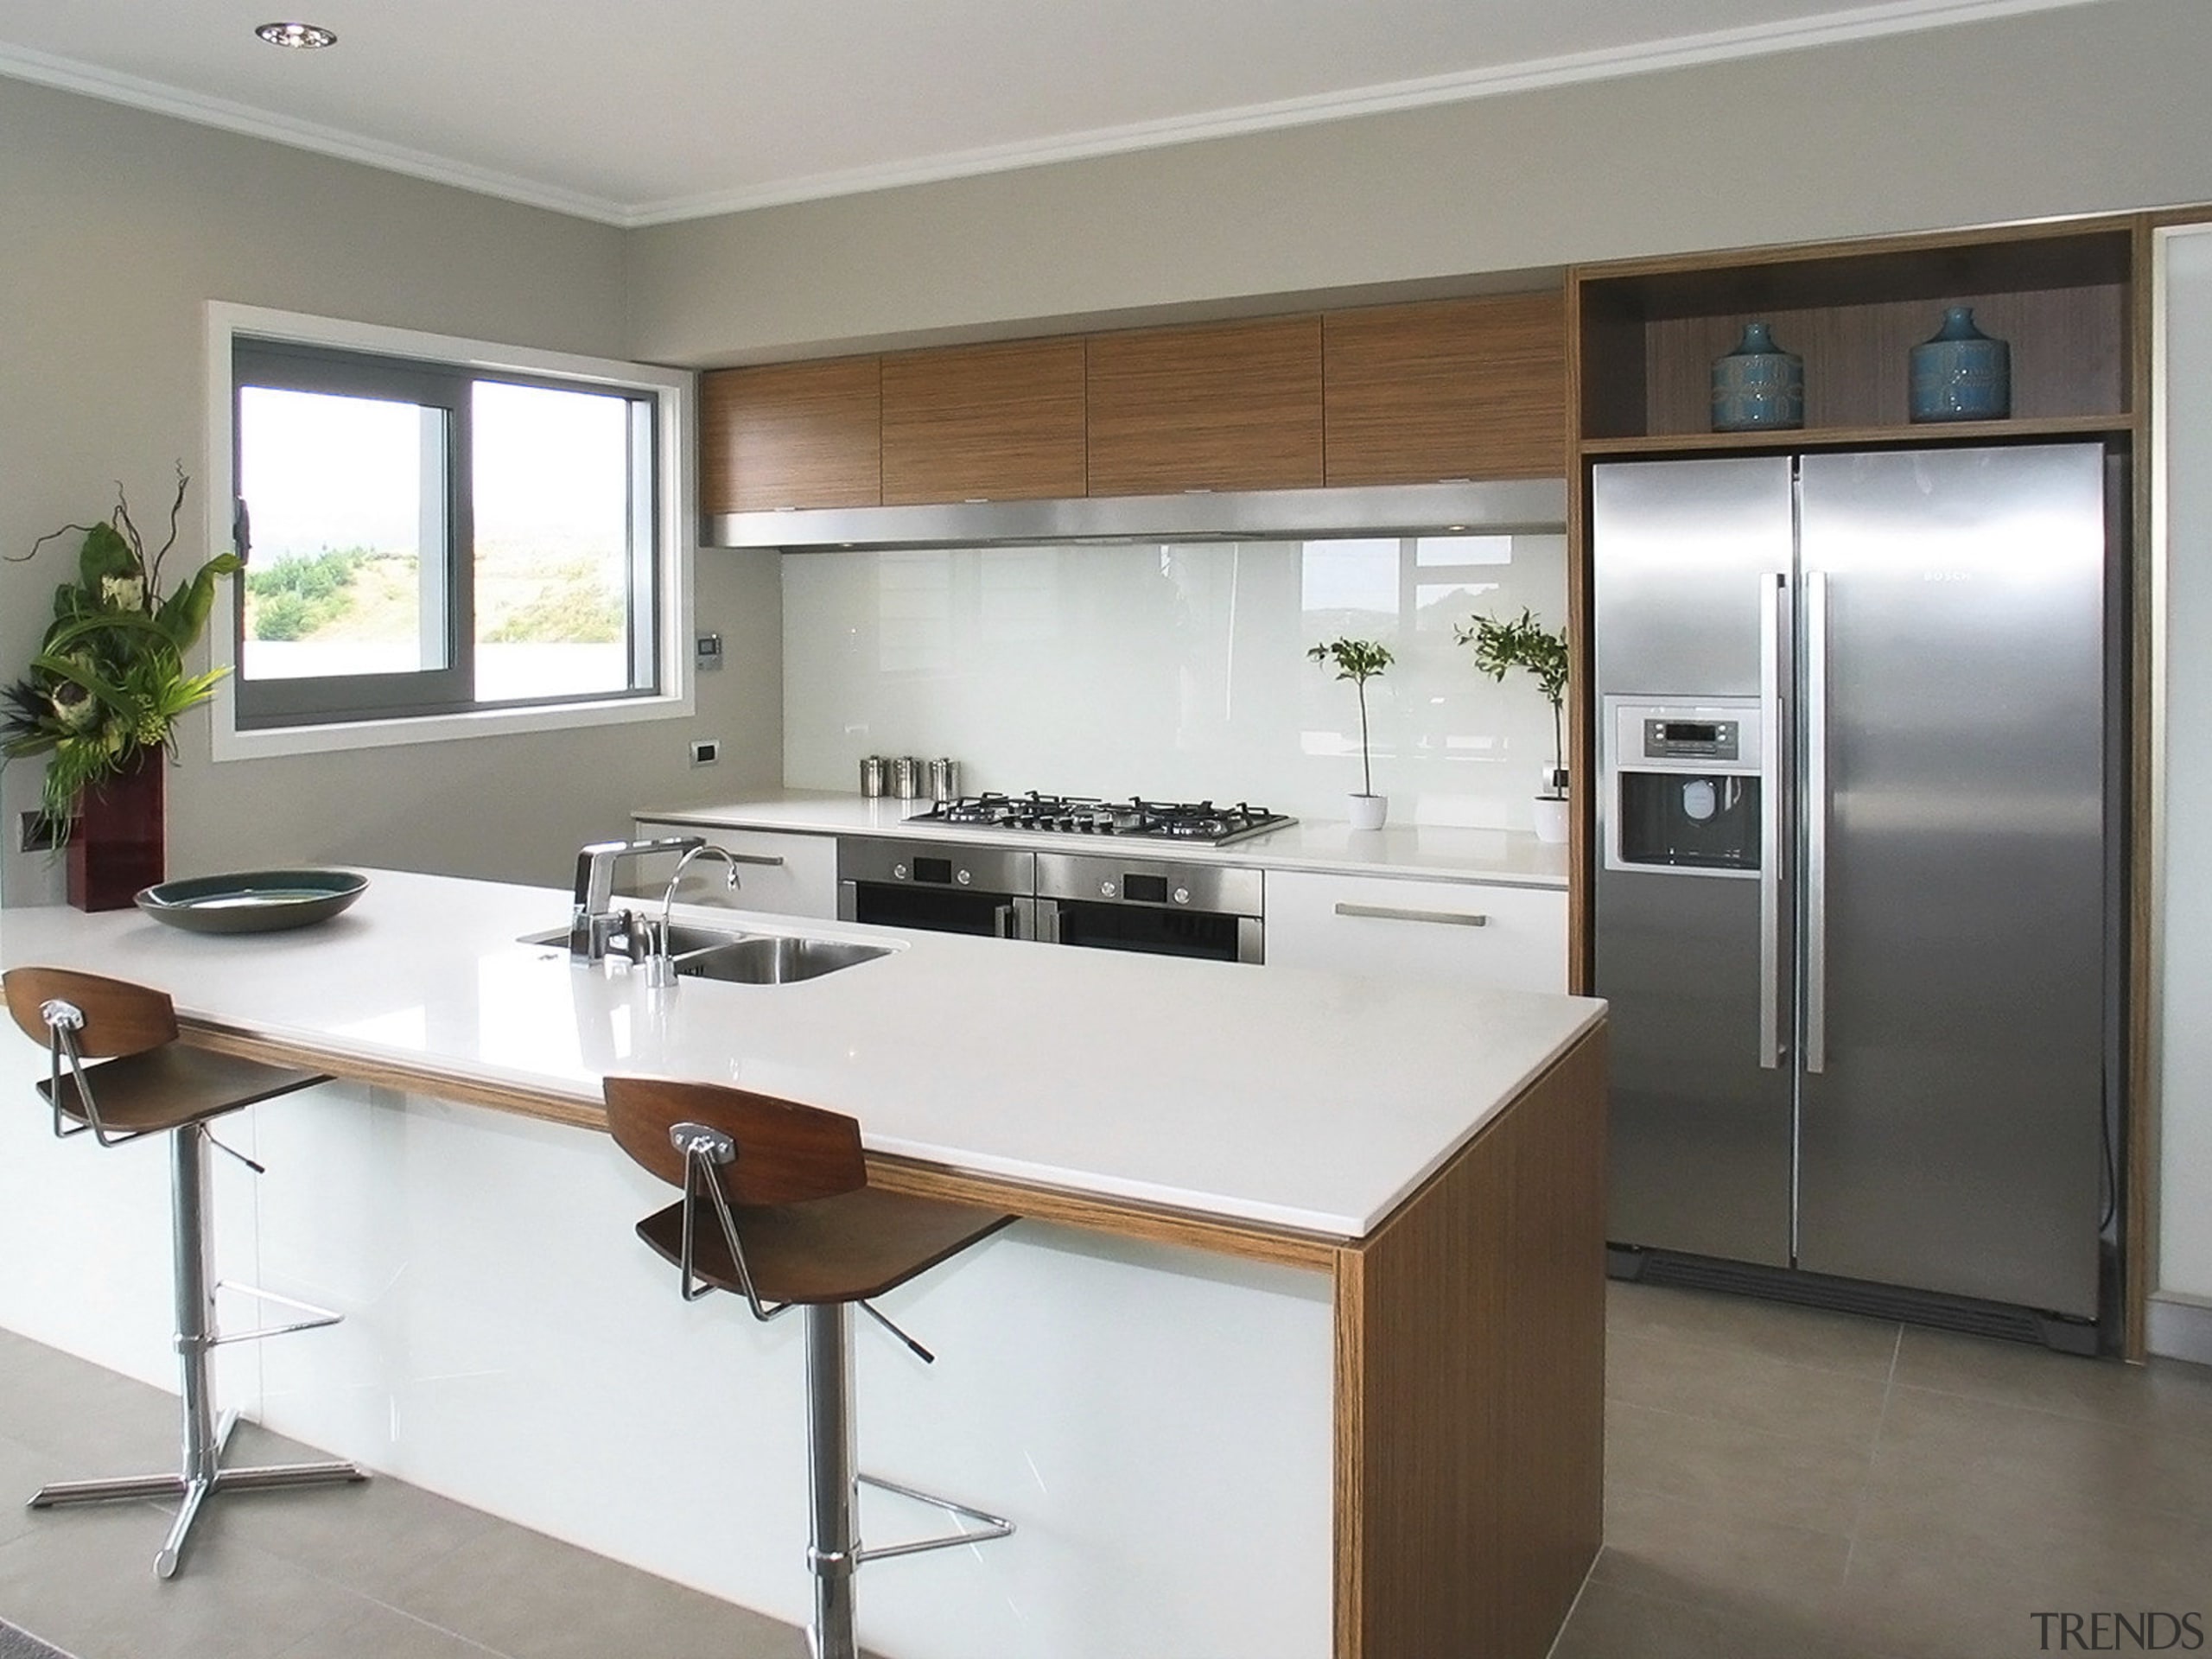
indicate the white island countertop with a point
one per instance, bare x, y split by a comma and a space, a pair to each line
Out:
1268, 1095
1422, 851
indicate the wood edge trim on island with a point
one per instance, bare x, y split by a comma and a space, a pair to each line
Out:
1123, 1217
1471, 1335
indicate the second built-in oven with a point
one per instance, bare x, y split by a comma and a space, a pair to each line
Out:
1133, 904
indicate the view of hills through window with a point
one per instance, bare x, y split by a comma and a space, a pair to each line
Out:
346, 495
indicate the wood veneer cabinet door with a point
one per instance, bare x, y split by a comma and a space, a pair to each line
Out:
1235, 406
999, 422
1456, 389
791, 434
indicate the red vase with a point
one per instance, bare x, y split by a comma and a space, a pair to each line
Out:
118, 843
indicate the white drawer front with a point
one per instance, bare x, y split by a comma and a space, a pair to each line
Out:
1515, 937
782, 875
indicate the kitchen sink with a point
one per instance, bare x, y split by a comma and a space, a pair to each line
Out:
775, 960
683, 938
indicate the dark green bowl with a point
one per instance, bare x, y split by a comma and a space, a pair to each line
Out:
253, 901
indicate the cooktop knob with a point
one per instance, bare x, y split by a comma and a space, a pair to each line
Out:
898, 872
1182, 895
963, 878
1105, 889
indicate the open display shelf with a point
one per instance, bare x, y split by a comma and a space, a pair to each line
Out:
1648, 333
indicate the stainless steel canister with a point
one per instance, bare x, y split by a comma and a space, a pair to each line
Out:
908, 777
872, 776
944, 780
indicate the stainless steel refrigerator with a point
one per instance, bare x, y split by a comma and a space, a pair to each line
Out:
1857, 824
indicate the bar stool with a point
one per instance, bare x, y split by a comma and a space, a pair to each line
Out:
792, 1221
145, 1082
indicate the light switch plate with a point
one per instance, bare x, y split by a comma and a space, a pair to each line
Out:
707, 651
706, 752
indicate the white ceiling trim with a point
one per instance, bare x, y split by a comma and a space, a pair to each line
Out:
21, 63
1890, 17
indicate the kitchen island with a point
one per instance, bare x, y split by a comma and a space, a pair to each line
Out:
1297, 1351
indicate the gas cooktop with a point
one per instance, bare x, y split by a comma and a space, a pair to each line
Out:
1202, 821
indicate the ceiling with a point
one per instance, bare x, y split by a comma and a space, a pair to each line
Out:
656, 110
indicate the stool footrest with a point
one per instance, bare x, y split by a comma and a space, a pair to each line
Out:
987, 1526
317, 1318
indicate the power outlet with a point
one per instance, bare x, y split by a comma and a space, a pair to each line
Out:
36, 833
706, 752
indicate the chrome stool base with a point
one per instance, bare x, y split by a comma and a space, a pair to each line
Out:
835, 1553
253, 1477
200, 1475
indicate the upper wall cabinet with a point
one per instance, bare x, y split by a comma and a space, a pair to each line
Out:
1235, 406
1460, 389
791, 434
1000, 422
2060, 296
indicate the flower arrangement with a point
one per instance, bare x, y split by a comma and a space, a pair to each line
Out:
1358, 661
108, 682
1525, 644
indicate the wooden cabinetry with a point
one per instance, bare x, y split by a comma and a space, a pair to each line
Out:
791, 434
1458, 933
1235, 406
2062, 296
1457, 389
996, 422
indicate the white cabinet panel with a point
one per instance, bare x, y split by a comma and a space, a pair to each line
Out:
1514, 937
784, 875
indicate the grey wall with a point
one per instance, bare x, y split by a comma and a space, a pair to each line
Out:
115, 226
2081, 109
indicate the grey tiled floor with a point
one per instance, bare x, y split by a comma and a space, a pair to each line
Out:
1781, 1485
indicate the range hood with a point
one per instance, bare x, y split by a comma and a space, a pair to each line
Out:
1506, 507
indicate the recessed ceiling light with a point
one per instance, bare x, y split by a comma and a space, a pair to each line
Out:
299, 37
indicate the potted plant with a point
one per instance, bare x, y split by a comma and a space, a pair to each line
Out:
1525, 644
103, 696
1360, 661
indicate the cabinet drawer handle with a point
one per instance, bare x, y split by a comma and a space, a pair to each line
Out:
769, 861
1392, 913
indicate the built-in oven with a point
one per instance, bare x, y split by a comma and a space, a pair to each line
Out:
939, 886
1134, 904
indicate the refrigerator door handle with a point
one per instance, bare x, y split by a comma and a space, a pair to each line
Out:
1817, 820
1774, 597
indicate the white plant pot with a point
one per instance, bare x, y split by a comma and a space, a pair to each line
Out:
1367, 811
1551, 818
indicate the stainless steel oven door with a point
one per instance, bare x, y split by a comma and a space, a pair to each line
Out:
1142, 905
939, 887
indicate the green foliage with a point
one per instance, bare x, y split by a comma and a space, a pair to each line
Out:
108, 679
291, 598
1526, 644
576, 608
1358, 661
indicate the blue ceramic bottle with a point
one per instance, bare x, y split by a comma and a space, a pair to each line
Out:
1961, 374
1759, 385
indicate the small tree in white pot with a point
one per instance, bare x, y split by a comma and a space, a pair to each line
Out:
1360, 661
1525, 644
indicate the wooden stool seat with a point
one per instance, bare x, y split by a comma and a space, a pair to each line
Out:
168, 1087
851, 1248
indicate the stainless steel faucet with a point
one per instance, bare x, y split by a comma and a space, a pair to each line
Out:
594, 923
660, 969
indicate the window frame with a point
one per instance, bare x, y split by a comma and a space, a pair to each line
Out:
663, 564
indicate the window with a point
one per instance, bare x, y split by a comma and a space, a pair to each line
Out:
448, 541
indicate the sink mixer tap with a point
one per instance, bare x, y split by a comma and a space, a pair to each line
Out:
594, 923
660, 969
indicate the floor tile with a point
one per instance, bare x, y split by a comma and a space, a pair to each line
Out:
2167, 1395
1674, 1547
1801, 1336
1611, 1621
1750, 1389
83, 1579
95, 1421
535, 1598
1762, 1478
382, 1633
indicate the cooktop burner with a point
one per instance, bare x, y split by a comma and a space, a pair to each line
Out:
1194, 821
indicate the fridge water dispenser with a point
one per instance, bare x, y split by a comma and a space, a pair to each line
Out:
1684, 785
